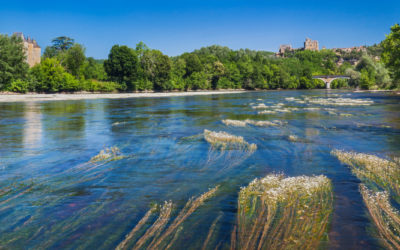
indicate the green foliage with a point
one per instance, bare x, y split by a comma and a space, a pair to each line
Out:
156, 68
50, 76
62, 43
122, 65
19, 86
391, 52
93, 69
100, 86
12, 60
74, 59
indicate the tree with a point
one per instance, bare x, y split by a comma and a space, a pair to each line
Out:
62, 43
12, 60
391, 51
122, 65
156, 68
50, 76
74, 59
93, 69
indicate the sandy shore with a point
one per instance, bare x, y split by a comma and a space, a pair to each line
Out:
83, 96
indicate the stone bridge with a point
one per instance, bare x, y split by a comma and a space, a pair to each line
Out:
329, 78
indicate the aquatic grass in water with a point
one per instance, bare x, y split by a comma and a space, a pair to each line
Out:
384, 215
235, 123
225, 141
239, 123
159, 235
370, 168
283, 213
108, 154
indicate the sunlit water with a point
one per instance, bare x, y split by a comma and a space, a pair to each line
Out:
51, 196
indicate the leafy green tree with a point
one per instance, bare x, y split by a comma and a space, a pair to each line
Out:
156, 69
366, 79
62, 43
74, 59
93, 69
12, 60
122, 65
391, 51
193, 63
50, 76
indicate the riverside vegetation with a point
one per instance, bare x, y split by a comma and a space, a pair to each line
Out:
65, 68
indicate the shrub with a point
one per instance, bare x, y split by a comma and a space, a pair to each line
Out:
19, 86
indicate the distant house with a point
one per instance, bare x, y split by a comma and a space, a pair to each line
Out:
32, 49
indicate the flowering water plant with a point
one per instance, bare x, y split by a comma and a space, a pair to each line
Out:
278, 212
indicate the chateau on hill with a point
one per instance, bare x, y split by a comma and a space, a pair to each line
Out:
311, 45
32, 49
308, 45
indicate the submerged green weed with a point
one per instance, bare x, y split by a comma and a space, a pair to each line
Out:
283, 213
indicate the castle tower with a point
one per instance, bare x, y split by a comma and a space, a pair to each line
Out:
33, 51
311, 45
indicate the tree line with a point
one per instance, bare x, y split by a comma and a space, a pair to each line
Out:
65, 68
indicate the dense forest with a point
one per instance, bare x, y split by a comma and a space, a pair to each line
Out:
65, 68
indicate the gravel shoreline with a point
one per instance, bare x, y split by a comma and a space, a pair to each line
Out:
6, 97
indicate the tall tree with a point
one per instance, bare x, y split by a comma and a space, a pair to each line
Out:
12, 60
62, 43
122, 65
391, 51
74, 59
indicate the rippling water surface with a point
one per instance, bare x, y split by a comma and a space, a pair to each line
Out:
52, 196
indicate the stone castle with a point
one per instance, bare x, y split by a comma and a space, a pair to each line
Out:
32, 49
311, 45
308, 45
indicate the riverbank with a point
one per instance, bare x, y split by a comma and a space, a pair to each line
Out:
33, 97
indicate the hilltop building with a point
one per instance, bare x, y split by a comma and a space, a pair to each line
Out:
32, 49
284, 48
351, 49
311, 45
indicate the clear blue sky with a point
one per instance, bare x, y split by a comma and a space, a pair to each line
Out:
175, 27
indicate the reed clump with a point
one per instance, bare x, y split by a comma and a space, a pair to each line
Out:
283, 213
163, 233
239, 123
108, 154
266, 112
235, 123
225, 141
384, 215
259, 106
379, 174
370, 168
340, 101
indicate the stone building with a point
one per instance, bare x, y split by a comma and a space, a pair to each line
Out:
283, 48
311, 45
32, 49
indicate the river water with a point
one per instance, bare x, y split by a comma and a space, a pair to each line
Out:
52, 196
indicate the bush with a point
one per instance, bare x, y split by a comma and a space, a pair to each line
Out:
100, 86
50, 76
19, 86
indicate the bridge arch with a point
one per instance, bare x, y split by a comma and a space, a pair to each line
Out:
328, 79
